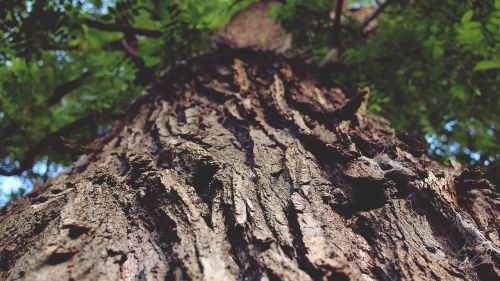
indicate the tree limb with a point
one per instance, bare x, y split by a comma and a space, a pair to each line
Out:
123, 28
337, 24
62, 90
29, 157
375, 14
144, 74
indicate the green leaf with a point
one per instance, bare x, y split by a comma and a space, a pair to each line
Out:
458, 92
437, 52
467, 17
375, 108
487, 65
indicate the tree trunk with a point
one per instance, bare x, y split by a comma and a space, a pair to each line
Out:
240, 166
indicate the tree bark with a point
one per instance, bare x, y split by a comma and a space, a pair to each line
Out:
240, 166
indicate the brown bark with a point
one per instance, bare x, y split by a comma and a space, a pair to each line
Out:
239, 166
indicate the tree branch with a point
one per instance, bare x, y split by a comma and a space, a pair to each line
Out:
375, 14
122, 28
337, 24
62, 90
143, 74
29, 157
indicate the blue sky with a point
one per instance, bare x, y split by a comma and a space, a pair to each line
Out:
14, 183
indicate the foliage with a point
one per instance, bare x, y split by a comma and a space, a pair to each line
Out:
310, 25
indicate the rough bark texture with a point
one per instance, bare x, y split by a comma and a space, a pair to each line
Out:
239, 166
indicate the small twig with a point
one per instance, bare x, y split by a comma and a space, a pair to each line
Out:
375, 14
337, 25
121, 28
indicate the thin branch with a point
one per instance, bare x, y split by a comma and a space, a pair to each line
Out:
337, 24
144, 74
375, 14
62, 90
123, 28
29, 157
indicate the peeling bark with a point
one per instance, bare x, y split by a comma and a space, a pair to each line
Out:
240, 167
